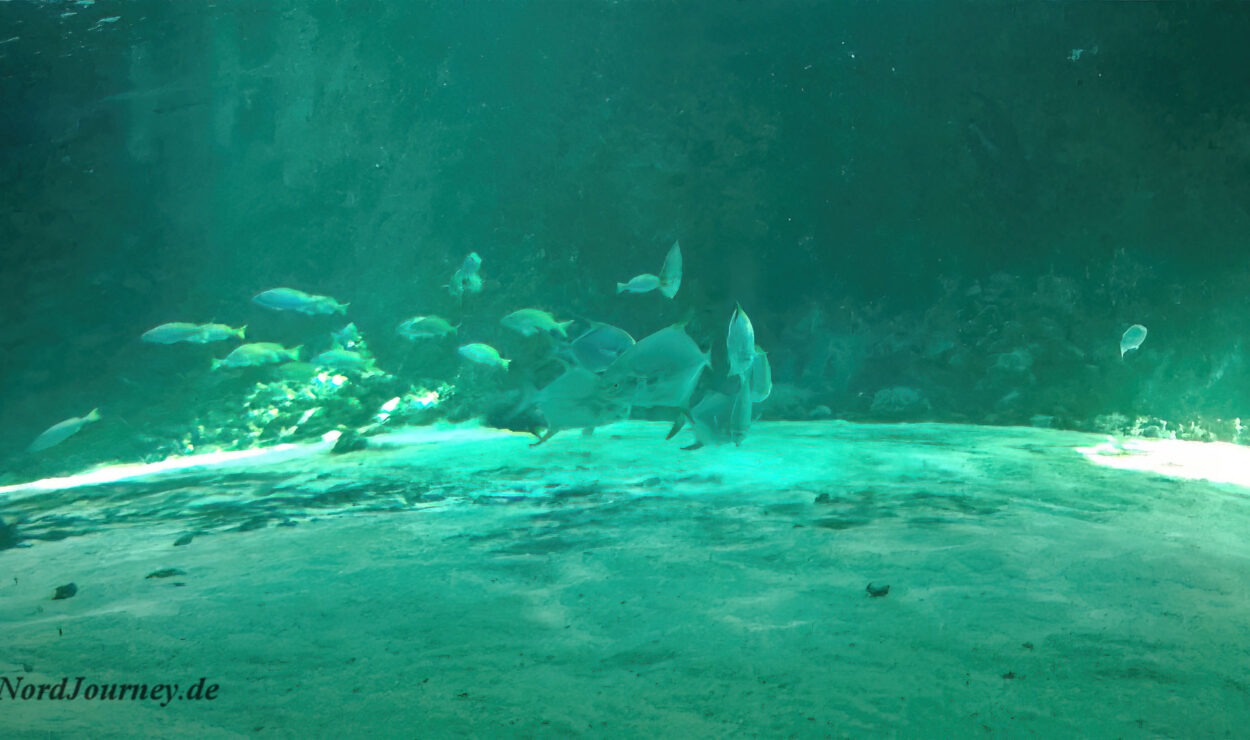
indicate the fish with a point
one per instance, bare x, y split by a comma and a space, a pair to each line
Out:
258, 353
578, 400
61, 431
290, 299
1132, 339
740, 414
484, 354
178, 331
662, 369
644, 283
345, 360
425, 327
347, 337
670, 273
298, 372
531, 321
207, 333
466, 279
719, 418
761, 378
740, 343
598, 347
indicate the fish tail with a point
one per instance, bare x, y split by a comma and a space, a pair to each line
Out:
563, 327
620, 287
93, 415
216, 364
506, 363
241, 332
295, 353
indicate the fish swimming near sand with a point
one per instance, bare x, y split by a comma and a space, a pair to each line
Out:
660, 370
578, 400
61, 431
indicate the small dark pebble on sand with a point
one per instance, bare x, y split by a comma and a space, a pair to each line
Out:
184, 539
165, 573
65, 592
876, 591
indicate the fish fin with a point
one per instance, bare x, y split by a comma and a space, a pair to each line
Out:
563, 327
676, 426
242, 332
620, 287
506, 363
92, 415
546, 436
216, 364
694, 446
299, 350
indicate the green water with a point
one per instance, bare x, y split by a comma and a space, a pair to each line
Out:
932, 212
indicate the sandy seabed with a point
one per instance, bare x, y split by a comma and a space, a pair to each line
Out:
454, 582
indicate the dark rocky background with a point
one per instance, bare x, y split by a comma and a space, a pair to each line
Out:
930, 211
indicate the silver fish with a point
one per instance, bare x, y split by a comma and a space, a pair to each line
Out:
644, 283
531, 321
177, 331
484, 354
208, 333
1132, 339
290, 299
258, 353
719, 418
670, 273
740, 343
345, 360
425, 327
597, 348
660, 370
761, 378
578, 400
61, 431
466, 279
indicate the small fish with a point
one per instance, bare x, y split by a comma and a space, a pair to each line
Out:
761, 377
258, 353
644, 283
740, 342
670, 273
345, 360
597, 348
425, 327
207, 333
290, 299
483, 354
347, 337
466, 279
299, 372
1132, 339
530, 321
61, 431
178, 331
